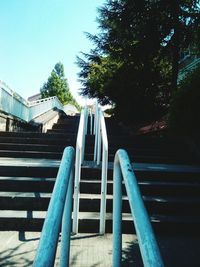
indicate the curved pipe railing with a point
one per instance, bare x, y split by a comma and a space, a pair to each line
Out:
80, 148
59, 213
148, 246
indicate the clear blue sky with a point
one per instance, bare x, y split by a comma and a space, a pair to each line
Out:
36, 34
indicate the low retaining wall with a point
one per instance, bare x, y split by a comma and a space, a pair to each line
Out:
10, 123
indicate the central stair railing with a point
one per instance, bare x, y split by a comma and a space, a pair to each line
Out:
148, 246
101, 144
58, 215
80, 149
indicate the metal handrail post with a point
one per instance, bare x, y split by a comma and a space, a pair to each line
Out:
66, 225
91, 122
46, 251
80, 143
84, 132
103, 192
148, 246
99, 139
96, 132
103, 178
95, 117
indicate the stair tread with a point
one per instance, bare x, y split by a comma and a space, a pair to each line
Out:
25, 194
152, 183
29, 162
22, 214
37, 179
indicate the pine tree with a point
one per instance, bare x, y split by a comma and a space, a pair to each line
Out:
57, 85
134, 62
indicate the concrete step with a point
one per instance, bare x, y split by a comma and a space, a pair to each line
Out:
159, 205
39, 170
26, 184
165, 159
89, 222
37, 135
32, 147
36, 202
66, 126
147, 188
91, 202
61, 131
70, 140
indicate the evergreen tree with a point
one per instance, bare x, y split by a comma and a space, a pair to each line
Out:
134, 63
57, 85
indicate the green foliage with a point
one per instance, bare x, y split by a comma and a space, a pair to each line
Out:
57, 85
135, 57
184, 115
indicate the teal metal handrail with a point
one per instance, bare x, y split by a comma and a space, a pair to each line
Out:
148, 246
59, 213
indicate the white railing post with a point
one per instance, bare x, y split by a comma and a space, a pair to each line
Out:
80, 143
99, 139
84, 133
101, 143
91, 122
103, 178
96, 123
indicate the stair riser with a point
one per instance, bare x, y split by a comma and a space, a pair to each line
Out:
31, 147
26, 186
159, 176
22, 171
149, 159
147, 190
65, 127
92, 226
161, 208
93, 205
23, 154
38, 141
24, 203
37, 135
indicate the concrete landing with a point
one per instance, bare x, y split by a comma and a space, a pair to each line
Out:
87, 250
91, 250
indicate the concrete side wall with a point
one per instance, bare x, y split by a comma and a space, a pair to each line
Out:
42, 123
10, 123
47, 119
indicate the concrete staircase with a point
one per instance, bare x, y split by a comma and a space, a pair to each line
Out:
29, 163
168, 174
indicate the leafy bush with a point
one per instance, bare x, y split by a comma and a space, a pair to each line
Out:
184, 114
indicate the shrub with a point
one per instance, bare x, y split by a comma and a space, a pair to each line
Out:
184, 113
